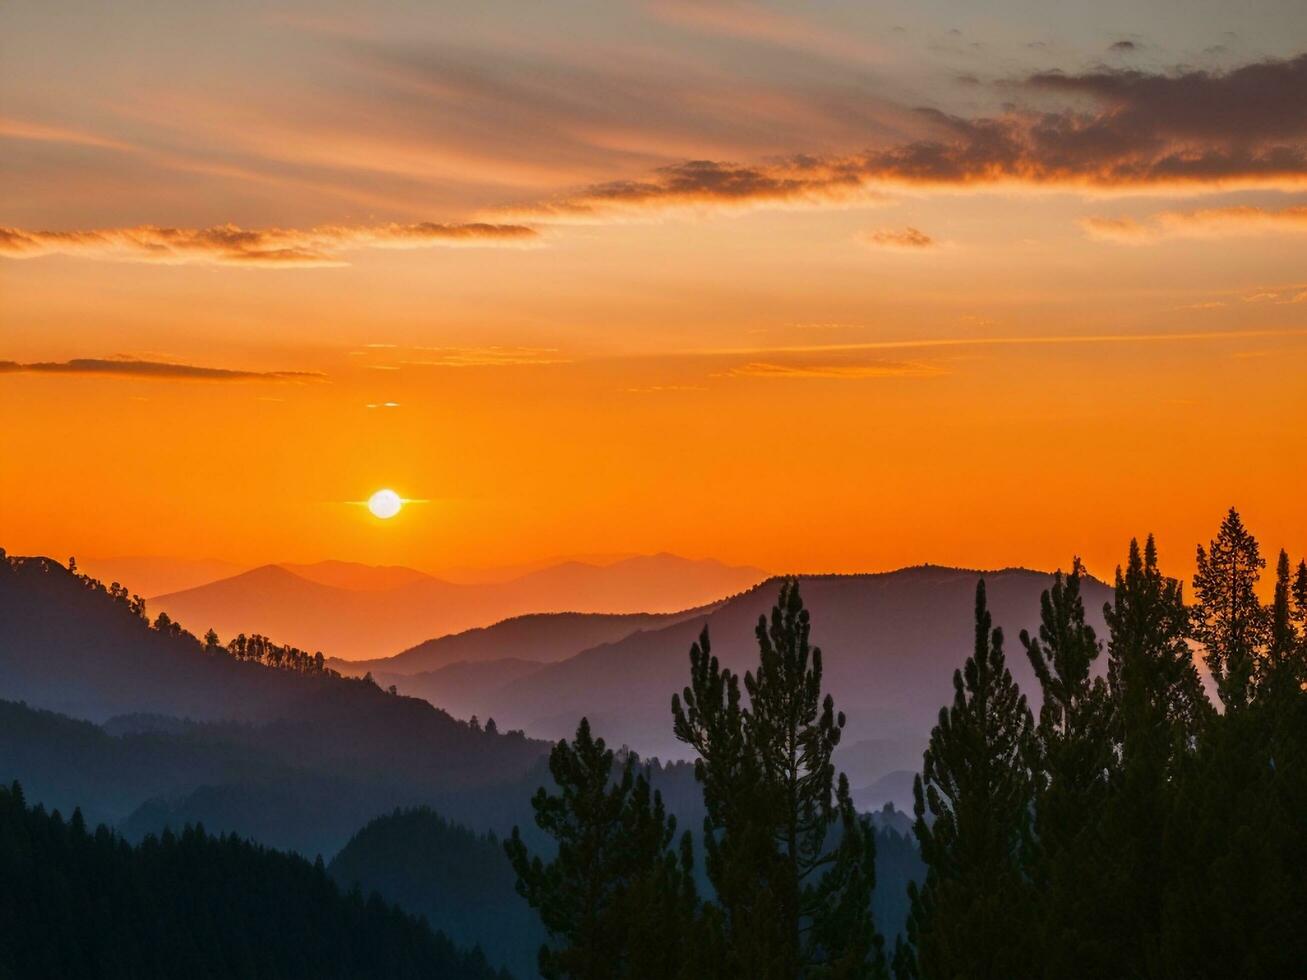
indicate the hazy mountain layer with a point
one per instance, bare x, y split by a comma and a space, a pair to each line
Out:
353, 612
890, 644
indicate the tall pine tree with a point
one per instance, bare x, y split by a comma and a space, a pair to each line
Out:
792, 863
1071, 760
1159, 709
1284, 668
1228, 619
970, 917
616, 900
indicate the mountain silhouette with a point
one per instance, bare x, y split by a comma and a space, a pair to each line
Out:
69, 647
353, 612
890, 644
538, 637
147, 575
356, 576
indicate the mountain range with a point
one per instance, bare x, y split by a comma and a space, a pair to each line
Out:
353, 612
298, 760
145, 727
890, 643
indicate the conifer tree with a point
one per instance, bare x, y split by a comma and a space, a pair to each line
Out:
1071, 758
1158, 695
793, 903
616, 899
1228, 619
1159, 709
1299, 589
1283, 666
969, 917
1238, 902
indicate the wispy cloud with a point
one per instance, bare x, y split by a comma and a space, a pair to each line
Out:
158, 370
901, 239
22, 129
492, 356
845, 372
1034, 340
660, 389
260, 247
1200, 223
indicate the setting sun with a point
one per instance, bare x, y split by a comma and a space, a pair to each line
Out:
385, 504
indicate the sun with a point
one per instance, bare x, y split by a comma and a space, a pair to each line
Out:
385, 504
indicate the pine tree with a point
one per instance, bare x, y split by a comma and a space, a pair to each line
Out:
969, 917
1299, 588
1228, 619
1282, 669
1158, 695
1071, 758
1238, 904
793, 904
615, 898
1159, 709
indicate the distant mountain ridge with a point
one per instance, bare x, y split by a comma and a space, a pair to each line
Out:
361, 612
890, 643
538, 637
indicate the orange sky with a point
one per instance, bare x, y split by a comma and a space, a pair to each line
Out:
1048, 313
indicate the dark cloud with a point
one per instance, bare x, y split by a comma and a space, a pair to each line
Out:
1248, 109
160, 370
1120, 129
1123, 47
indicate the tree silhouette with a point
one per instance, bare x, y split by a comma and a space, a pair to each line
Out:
792, 903
969, 917
616, 900
1283, 670
1071, 760
1228, 619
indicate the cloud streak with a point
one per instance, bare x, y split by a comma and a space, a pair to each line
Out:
905, 239
844, 372
1213, 223
229, 244
491, 356
155, 370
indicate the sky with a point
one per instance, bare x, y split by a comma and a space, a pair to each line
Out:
825, 286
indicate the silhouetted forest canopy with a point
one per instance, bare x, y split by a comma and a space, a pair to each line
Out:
1129, 826
76, 902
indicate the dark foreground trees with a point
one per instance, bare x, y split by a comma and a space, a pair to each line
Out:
789, 861
1159, 835
617, 898
1131, 828
973, 798
81, 903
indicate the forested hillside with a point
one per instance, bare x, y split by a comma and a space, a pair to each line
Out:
458, 879
276, 747
77, 902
